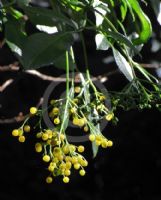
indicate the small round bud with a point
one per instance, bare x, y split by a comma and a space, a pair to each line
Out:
68, 165
57, 121
66, 179
84, 163
45, 136
76, 166
67, 172
109, 143
15, 132
38, 147
77, 89
33, 110
109, 116
92, 137
81, 149
82, 172
27, 128
46, 158
55, 111
86, 129
49, 179
21, 138
39, 135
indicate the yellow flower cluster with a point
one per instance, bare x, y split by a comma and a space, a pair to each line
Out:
100, 140
20, 133
60, 155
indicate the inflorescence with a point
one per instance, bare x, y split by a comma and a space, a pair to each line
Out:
85, 107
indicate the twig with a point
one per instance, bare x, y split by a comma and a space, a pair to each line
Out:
15, 119
152, 66
45, 77
102, 78
20, 117
2, 43
6, 84
11, 67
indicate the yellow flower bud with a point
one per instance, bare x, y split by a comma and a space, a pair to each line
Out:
33, 110
15, 132
21, 138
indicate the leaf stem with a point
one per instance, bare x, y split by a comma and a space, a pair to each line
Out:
84, 50
67, 74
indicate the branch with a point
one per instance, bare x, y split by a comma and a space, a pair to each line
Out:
2, 43
20, 117
102, 78
15, 119
45, 77
6, 84
151, 66
11, 67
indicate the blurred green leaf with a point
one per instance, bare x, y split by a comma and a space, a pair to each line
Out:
14, 32
44, 16
23, 2
121, 38
123, 9
41, 49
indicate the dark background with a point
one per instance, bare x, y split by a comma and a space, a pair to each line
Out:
130, 170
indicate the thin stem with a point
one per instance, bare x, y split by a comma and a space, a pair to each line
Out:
107, 20
91, 83
65, 114
86, 64
67, 74
25, 121
73, 60
84, 51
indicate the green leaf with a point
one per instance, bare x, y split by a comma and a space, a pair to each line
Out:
123, 65
44, 16
14, 32
47, 29
23, 2
94, 149
41, 49
121, 38
15, 48
123, 9
146, 27
15, 13
101, 10
101, 42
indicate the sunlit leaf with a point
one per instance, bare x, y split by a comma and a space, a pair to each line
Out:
101, 42
123, 65
47, 29
101, 10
